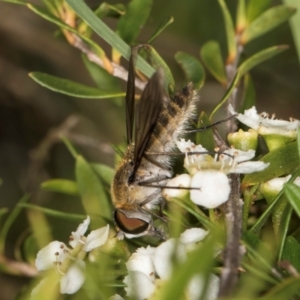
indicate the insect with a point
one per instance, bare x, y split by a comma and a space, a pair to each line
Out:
153, 125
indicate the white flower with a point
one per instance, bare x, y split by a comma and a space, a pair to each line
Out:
180, 181
56, 253
214, 188
139, 285
147, 267
209, 183
74, 278
265, 125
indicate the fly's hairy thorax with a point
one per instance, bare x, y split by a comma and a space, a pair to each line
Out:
154, 169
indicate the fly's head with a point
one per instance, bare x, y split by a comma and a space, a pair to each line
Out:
136, 223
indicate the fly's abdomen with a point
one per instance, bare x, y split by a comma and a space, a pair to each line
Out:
171, 123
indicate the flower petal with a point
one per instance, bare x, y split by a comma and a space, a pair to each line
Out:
250, 117
213, 187
54, 252
195, 287
73, 280
139, 286
248, 167
193, 235
142, 261
183, 180
163, 257
96, 238
80, 231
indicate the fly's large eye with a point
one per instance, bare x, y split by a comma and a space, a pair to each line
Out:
130, 225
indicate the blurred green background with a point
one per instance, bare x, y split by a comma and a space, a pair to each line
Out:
29, 113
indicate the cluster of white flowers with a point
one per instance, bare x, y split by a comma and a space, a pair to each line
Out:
56, 253
148, 268
208, 175
275, 132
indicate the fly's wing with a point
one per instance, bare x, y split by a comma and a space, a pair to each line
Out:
147, 111
130, 94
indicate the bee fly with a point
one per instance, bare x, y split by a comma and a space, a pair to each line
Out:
157, 121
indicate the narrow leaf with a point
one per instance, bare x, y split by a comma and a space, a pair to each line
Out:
212, 58
249, 95
63, 186
165, 23
230, 33
292, 192
104, 172
157, 62
291, 252
295, 24
229, 91
9, 222
255, 8
71, 88
267, 21
108, 10
205, 137
53, 19
192, 68
261, 56
52, 212
241, 19
286, 289
265, 215
93, 196
107, 34
101, 77
282, 161
183, 272
132, 22
15, 1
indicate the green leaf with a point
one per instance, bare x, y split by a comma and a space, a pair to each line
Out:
16, 1
192, 68
205, 137
106, 173
165, 23
182, 273
282, 161
212, 58
53, 19
70, 147
286, 289
292, 192
283, 229
255, 8
249, 95
52, 212
132, 22
298, 142
295, 24
71, 88
229, 91
63, 186
157, 62
261, 56
265, 215
291, 252
230, 33
107, 34
93, 196
101, 77
9, 222
108, 10
241, 19
267, 21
